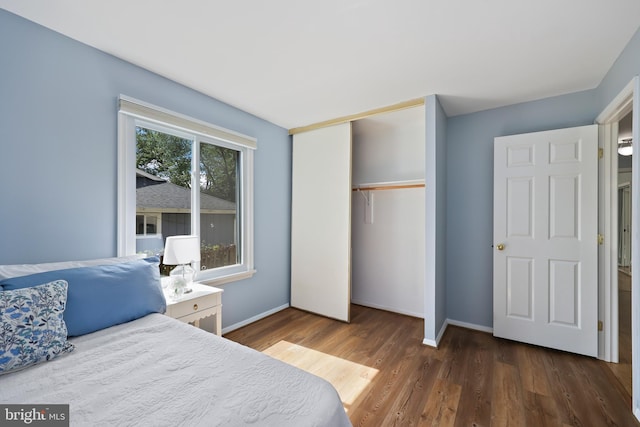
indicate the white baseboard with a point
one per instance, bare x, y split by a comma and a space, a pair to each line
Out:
447, 322
430, 343
253, 319
436, 342
470, 326
441, 333
386, 308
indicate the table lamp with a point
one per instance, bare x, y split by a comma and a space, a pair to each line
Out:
181, 251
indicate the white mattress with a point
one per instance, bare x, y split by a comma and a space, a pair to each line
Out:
157, 371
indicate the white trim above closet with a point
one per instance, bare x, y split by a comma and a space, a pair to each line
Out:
358, 116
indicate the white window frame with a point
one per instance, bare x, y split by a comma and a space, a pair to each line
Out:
132, 113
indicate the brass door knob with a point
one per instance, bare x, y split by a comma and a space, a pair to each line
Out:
195, 307
500, 246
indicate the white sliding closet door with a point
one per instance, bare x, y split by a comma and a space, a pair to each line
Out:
321, 222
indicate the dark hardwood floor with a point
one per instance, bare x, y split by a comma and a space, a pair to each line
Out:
386, 377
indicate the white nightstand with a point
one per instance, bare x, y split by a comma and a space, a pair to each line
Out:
201, 302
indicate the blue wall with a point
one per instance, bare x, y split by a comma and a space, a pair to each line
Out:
436, 219
470, 192
58, 163
626, 66
441, 218
470, 137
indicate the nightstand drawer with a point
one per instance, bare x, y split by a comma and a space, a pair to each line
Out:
201, 302
192, 306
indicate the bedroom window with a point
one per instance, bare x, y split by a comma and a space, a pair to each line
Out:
177, 176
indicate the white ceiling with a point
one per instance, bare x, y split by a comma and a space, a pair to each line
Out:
297, 62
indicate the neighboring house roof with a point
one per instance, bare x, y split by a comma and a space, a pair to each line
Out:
167, 197
142, 174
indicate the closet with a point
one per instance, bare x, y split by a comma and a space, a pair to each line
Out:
358, 215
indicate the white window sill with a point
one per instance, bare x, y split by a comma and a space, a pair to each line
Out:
228, 278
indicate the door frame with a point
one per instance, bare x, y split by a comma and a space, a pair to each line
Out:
627, 100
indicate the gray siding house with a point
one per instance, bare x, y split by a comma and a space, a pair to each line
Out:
163, 209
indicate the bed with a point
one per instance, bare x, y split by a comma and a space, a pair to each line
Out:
155, 370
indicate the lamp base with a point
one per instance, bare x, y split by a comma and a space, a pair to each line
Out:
181, 279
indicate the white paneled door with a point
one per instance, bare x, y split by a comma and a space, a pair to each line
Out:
545, 239
321, 221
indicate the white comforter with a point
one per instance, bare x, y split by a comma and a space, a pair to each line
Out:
157, 371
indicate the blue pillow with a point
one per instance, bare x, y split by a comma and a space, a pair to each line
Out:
104, 295
32, 325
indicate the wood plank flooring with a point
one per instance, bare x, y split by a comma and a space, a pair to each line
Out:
622, 370
386, 377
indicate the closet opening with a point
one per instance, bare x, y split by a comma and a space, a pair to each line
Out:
388, 211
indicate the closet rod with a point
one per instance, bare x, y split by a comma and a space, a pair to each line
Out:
388, 187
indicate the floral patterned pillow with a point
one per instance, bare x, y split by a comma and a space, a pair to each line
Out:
31, 326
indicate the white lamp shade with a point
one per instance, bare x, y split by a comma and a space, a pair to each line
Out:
181, 250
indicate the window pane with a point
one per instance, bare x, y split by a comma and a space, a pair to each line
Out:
219, 206
152, 224
163, 184
140, 224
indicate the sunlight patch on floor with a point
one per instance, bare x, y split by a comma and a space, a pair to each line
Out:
349, 378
